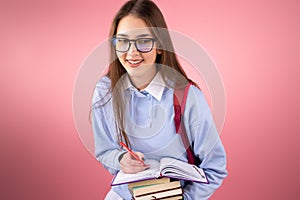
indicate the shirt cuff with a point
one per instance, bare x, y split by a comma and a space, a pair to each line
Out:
121, 156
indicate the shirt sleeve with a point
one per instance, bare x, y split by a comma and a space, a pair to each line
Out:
206, 145
107, 150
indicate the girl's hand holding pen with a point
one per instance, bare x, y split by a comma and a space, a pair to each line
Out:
132, 162
130, 165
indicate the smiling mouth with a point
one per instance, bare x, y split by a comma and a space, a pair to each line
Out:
134, 63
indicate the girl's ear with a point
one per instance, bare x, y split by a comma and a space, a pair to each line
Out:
158, 51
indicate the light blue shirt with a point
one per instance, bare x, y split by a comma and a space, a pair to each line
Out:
151, 130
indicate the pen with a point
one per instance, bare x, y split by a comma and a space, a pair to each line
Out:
131, 153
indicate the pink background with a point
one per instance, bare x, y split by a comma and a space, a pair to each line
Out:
43, 43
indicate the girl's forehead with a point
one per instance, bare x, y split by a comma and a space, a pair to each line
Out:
132, 26
145, 32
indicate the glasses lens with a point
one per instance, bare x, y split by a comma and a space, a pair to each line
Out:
144, 44
121, 44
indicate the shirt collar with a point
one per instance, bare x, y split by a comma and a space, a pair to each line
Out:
155, 88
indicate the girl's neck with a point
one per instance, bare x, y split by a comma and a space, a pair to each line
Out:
142, 82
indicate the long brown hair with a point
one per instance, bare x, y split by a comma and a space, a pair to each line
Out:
152, 16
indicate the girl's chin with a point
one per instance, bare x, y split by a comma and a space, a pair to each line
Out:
135, 69
134, 72
142, 71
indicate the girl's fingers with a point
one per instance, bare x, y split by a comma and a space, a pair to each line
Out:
140, 155
133, 168
131, 165
129, 160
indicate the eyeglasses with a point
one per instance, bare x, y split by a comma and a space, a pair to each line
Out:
143, 45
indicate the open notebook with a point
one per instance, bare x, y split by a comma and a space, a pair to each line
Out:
167, 167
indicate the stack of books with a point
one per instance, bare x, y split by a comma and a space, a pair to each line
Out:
161, 188
155, 182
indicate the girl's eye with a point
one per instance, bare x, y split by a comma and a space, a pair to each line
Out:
122, 40
144, 41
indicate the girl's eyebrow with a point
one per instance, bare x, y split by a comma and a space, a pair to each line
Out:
141, 35
122, 35
144, 35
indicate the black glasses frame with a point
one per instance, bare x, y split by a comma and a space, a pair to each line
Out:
113, 40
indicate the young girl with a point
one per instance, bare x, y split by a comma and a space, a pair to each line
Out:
133, 103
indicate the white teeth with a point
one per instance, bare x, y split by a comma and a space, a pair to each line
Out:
134, 62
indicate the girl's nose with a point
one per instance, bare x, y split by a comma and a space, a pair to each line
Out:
132, 48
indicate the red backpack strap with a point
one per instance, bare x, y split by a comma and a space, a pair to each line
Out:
178, 118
